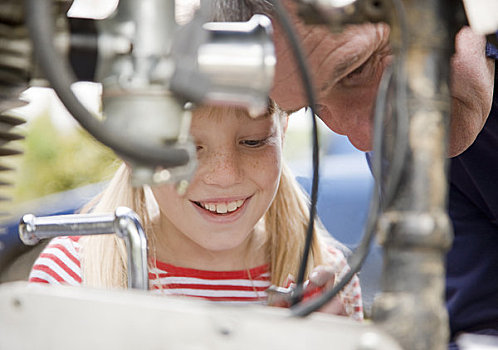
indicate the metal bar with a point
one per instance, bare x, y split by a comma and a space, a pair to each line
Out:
128, 227
125, 223
32, 229
414, 229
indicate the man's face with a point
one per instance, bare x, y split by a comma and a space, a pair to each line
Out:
346, 70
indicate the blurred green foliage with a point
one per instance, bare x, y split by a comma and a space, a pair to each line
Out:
56, 160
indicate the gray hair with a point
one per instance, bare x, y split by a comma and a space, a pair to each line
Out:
239, 10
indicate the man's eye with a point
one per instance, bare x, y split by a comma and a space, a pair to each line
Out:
356, 72
360, 75
253, 143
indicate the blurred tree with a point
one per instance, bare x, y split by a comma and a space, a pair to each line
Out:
55, 161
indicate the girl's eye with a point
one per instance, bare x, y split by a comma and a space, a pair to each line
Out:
253, 143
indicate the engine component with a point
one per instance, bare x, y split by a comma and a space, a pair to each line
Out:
124, 222
15, 68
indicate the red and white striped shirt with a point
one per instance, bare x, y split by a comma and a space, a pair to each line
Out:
59, 263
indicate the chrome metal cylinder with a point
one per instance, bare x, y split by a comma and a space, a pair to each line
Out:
128, 227
32, 229
239, 61
125, 223
132, 102
135, 67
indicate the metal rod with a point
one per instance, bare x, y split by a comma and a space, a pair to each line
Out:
124, 222
128, 227
414, 229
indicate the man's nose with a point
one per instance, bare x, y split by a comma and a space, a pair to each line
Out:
222, 168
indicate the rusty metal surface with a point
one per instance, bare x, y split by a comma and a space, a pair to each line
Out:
414, 228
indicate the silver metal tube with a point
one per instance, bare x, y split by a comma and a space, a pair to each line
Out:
239, 61
128, 227
125, 223
32, 229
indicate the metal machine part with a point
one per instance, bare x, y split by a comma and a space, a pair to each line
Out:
150, 67
338, 13
414, 227
132, 102
124, 222
145, 57
15, 68
231, 63
17, 73
54, 316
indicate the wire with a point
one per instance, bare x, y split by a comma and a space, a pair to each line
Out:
39, 20
361, 252
397, 163
293, 40
359, 256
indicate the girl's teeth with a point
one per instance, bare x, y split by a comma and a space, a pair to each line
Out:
231, 206
223, 208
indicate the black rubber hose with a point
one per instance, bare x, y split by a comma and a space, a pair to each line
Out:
293, 40
56, 69
360, 254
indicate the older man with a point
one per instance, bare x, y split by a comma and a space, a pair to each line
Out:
347, 68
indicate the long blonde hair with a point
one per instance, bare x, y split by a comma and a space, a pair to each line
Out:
104, 257
285, 223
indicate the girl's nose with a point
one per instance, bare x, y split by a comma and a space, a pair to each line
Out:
222, 168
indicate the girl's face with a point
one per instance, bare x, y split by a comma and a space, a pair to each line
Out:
239, 165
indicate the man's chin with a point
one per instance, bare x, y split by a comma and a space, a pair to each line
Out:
361, 143
358, 133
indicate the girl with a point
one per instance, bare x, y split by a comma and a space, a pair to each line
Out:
239, 228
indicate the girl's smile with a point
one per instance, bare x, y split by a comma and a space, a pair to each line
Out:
239, 167
222, 211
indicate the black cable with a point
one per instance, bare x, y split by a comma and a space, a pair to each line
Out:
39, 20
398, 161
293, 40
358, 257
361, 252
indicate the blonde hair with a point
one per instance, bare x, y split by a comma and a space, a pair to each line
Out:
285, 224
104, 257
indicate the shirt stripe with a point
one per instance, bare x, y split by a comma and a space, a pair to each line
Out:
68, 252
52, 266
212, 293
60, 263
174, 280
